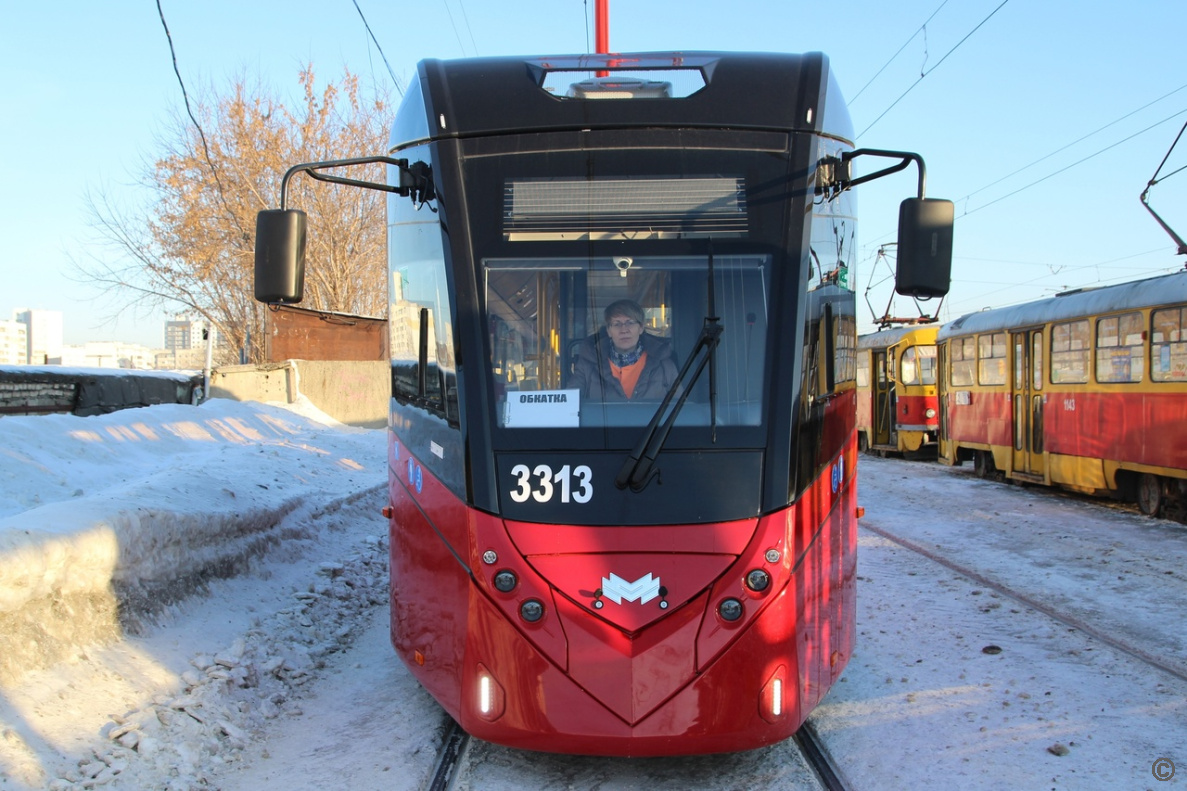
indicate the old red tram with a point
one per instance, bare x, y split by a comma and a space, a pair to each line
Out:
628, 577
897, 408
1084, 390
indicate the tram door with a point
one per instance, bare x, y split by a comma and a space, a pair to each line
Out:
1028, 401
882, 408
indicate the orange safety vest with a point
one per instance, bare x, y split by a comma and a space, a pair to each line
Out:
628, 375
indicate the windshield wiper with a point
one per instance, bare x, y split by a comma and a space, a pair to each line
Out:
638, 469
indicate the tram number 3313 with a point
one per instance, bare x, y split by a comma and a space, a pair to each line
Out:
544, 478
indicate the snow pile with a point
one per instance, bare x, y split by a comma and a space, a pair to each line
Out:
227, 699
107, 519
110, 524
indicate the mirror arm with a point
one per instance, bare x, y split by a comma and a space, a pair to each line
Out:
412, 178
907, 158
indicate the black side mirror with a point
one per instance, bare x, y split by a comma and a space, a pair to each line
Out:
280, 255
924, 247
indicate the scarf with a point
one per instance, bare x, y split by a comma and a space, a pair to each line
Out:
623, 359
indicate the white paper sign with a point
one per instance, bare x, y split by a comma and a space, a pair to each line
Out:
542, 409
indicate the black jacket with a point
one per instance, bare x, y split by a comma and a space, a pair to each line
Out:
591, 372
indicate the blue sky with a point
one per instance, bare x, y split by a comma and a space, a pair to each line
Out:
1042, 119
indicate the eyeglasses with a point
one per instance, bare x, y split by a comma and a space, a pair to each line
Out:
623, 325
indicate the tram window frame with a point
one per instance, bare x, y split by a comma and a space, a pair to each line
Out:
924, 373
964, 361
845, 350
991, 358
1168, 344
419, 294
1120, 349
863, 368
1071, 352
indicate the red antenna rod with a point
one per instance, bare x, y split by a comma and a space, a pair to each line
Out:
602, 27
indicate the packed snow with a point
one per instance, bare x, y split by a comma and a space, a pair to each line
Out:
196, 597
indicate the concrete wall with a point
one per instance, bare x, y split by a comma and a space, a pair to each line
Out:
40, 390
354, 392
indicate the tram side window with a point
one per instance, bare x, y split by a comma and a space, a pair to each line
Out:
1168, 345
863, 368
964, 361
846, 348
991, 359
1120, 348
419, 302
1071, 344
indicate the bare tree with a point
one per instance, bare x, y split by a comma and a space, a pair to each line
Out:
191, 247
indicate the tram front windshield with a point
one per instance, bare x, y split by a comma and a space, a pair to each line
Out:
600, 341
594, 263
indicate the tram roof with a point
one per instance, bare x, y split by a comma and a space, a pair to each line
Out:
505, 95
882, 339
1152, 292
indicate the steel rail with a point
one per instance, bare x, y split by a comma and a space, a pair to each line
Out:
818, 758
453, 746
1175, 669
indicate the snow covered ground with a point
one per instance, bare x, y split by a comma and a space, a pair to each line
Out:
274, 670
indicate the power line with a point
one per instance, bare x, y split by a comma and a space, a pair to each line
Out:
453, 24
922, 28
1074, 164
923, 74
399, 89
202, 135
1074, 142
469, 30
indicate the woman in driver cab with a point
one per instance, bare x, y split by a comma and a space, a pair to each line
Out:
621, 362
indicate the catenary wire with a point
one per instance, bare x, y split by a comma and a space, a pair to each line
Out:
1074, 164
1074, 142
399, 88
202, 135
899, 52
933, 68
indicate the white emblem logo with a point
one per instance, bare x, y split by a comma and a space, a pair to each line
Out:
642, 590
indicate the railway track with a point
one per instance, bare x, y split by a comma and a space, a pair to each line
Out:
450, 759
1167, 665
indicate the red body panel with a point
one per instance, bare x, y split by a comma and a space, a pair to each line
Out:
911, 412
631, 677
1133, 428
1127, 427
985, 419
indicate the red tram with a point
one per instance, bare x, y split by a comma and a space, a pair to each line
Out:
897, 407
623, 570
1085, 390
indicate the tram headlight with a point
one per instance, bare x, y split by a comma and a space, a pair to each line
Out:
490, 699
730, 610
531, 610
758, 580
506, 581
929, 413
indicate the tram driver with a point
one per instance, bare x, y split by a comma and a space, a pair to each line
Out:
622, 362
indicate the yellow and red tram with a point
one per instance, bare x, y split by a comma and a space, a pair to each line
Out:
897, 405
1086, 390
